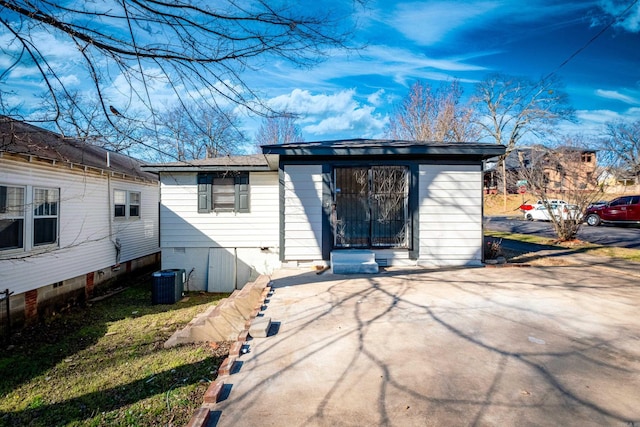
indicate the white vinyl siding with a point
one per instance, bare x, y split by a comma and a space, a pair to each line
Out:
303, 212
183, 226
253, 236
450, 215
84, 243
138, 235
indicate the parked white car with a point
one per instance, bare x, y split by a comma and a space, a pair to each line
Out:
559, 209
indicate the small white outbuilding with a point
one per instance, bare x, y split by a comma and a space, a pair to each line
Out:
225, 220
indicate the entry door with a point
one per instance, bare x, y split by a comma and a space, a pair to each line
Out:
371, 207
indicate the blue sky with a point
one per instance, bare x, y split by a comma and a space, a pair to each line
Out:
352, 94
436, 41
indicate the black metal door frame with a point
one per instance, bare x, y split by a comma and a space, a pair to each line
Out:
366, 211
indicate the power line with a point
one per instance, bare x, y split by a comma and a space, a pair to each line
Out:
594, 38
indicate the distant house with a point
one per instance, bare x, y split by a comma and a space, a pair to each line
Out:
72, 216
559, 170
227, 219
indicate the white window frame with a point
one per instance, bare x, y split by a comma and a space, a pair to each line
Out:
129, 203
48, 210
119, 202
133, 202
15, 212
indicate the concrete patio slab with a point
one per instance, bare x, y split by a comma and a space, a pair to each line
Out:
480, 346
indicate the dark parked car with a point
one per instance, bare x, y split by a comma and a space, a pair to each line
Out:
623, 210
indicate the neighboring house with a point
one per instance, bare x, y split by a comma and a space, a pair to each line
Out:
72, 216
561, 169
227, 219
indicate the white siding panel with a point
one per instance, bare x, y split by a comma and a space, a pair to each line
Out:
222, 270
189, 237
183, 226
139, 236
448, 186
460, 216
468, 237
85, 244
450, 215
303, 207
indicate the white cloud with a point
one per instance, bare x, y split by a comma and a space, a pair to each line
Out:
629, 21
333, 116
375, 98
22, 72
427, 23
70, 80
612, 94
377, 62
592, 122
603, 116
304, 102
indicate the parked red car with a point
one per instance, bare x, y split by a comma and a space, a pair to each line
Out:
623, 210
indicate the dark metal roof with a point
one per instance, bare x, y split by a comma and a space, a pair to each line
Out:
254, 162
378, 147
24, 139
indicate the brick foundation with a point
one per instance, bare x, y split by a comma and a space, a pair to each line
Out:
90, 283
31, 305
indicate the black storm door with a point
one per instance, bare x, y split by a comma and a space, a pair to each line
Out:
371, 207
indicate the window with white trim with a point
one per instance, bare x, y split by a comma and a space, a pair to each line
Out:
223, 192
134, 204
126, 204
45, 216
120, 203
12, 202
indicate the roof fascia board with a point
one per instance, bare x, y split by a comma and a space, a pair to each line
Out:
217, 168
484, 151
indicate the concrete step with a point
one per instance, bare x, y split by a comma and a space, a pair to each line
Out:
353, 261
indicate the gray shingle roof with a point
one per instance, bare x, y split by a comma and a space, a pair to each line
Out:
253, 162
25, 139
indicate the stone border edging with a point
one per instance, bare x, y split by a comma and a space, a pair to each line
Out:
201, 416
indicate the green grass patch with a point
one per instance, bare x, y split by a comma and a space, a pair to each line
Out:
105, 365
527, 238
593, 249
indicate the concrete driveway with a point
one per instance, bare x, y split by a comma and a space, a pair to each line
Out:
481, 346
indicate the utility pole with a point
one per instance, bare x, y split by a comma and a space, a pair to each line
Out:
504, 184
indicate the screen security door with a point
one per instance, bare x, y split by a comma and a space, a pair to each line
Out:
371, 206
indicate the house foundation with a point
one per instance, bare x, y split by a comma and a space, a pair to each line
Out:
44, 302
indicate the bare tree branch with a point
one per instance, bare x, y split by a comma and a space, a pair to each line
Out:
621, 146
568, 172
509, 108
433, 115
196, 49
211, 132
279, 130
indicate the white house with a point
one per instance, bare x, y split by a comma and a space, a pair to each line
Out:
72, 216
408, 203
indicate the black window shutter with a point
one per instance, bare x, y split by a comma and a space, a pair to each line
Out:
204, 193
242, 193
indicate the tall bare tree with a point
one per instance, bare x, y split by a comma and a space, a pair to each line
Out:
203, 133
621, 146
568, 172
82, 119
196, 49
510, 108
279, 130
428, 114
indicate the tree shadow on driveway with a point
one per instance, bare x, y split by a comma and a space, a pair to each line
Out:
461, 346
